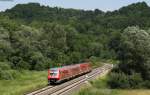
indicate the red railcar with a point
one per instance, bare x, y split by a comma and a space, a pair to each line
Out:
57, 75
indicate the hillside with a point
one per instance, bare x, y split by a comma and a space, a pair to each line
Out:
34, 28
35, 37
134, 14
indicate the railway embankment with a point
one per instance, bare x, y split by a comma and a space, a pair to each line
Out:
68, 87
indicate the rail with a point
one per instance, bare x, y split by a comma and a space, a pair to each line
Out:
64, 87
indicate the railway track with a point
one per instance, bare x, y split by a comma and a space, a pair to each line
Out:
67, 86
64, 90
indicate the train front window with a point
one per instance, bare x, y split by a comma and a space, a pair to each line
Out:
53, 72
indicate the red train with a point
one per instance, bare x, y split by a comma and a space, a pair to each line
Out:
57, 75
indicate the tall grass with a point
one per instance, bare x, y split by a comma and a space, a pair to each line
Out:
100, 87
28, 81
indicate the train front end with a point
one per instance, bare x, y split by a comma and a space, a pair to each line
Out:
53, 76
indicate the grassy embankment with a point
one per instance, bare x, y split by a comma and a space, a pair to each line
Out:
100, 62
100, 87
27, 81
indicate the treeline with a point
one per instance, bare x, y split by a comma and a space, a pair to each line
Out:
53, 44
36, 37
24, 47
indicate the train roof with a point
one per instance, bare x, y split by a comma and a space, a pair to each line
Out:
64, 67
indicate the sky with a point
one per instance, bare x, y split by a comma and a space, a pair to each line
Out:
105, 5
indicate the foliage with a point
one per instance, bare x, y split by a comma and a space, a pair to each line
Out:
133, 51
100, 86
97, 87
6, 73
36, 37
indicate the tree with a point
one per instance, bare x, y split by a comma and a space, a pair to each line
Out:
133, 52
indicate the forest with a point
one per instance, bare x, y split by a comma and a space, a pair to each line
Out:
36, 37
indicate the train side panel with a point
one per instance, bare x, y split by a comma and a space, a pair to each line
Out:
69, 72
64, 74
85, 67
75, 70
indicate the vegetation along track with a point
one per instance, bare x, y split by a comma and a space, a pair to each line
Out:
64, 87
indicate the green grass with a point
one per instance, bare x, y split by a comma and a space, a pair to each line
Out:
100, 87
27, 81
97, 64
100, 62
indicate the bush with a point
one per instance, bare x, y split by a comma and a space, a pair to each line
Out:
6, 72
135, 80
4, 66
23, 65
95, 61
146, 84
37, 61
121, 80
118, 80
39, 66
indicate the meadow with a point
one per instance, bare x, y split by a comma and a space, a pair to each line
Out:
27, 81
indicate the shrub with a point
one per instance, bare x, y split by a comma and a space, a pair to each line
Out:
39, 66
4, 66
146, 84
135, 80
23, 65
95, 61
118, 80
6, 72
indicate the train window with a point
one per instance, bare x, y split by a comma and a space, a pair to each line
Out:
54, 70
53, 74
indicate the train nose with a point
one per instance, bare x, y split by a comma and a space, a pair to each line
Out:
49, 77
